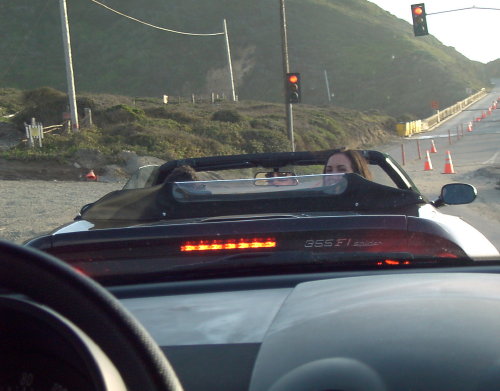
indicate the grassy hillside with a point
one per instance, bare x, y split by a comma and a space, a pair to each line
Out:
372, 58
148, 127
493, 69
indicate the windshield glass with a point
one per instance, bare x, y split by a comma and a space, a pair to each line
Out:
209, 190
312, 134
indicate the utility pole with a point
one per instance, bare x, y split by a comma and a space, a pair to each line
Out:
230, 65
69, 65
328, 88
286, 69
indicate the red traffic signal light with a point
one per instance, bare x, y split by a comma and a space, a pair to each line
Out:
417, 11
293, 87
419, 19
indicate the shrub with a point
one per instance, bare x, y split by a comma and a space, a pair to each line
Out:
263, 123
10, 100
43, 96
119, 114
44, 104
225, 133
227, 116
178, 116
264, 140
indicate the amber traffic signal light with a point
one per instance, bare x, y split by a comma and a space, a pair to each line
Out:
419, 19
293, 87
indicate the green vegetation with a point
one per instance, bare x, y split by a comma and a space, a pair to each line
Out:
151, 128
493, 69
372, 58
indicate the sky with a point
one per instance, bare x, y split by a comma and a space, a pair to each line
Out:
475, 33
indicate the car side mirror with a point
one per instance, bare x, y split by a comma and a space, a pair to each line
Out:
456, 194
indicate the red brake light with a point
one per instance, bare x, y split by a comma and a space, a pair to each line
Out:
228, 244
446, 255
392, 262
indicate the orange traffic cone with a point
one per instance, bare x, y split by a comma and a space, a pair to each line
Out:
448, 165
428, 163
91, 176
433, 147
469, 127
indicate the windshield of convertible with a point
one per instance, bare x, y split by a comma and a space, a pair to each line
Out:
210, 190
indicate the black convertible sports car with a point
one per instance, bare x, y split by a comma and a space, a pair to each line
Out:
319, 218
268, 276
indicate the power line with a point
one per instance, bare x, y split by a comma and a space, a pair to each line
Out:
152, 25
462, 9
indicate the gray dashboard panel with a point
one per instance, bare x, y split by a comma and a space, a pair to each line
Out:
208, 318
414, 332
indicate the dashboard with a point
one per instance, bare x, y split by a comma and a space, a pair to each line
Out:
419, 329
425, 331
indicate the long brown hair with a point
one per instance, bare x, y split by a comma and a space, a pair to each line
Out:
358, 162
182, 174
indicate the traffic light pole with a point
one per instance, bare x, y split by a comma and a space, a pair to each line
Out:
286, 69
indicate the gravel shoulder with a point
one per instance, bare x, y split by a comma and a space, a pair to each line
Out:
29, 208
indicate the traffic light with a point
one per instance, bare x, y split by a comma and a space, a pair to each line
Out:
293, 87
419, 19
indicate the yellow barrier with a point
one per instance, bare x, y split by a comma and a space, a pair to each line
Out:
406, 129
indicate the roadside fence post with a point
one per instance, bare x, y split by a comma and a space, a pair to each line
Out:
28, 135
39, 130
87, 117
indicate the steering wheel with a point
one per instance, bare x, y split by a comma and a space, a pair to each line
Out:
94, 310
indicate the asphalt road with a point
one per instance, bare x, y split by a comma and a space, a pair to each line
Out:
475, 157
